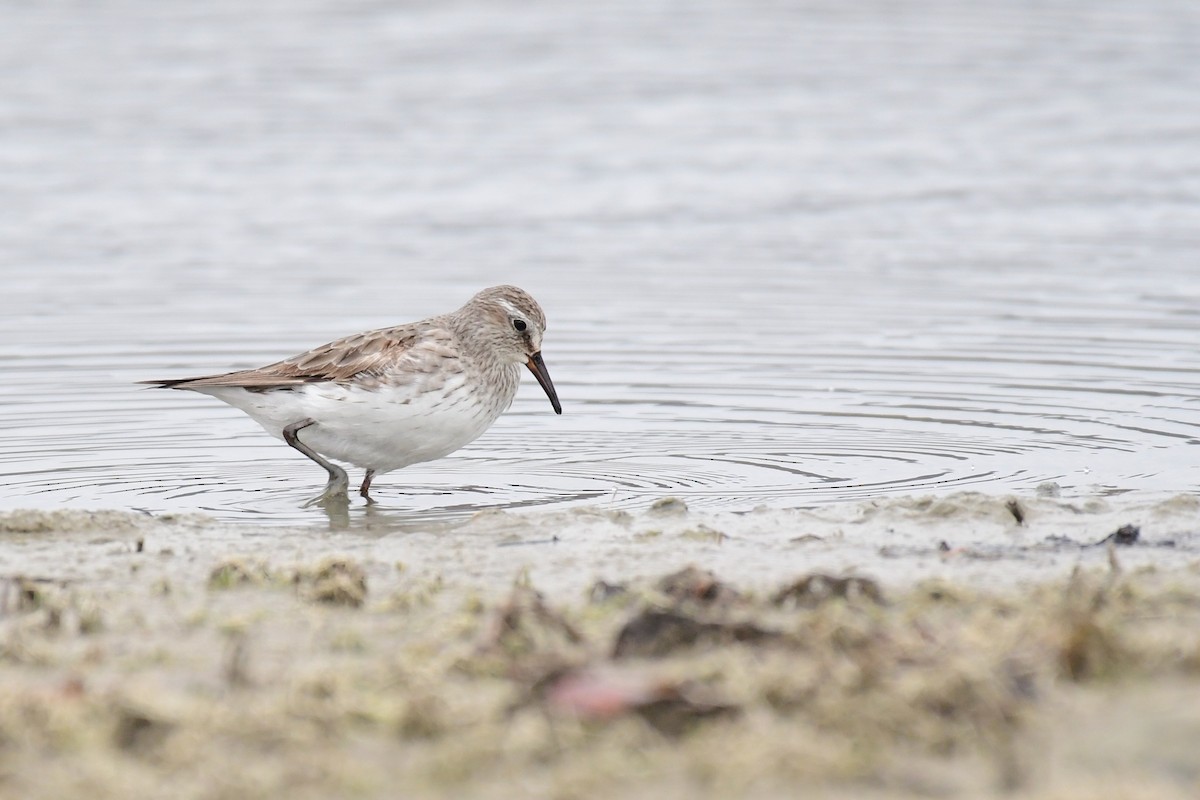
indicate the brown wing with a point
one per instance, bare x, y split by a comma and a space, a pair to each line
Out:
363, 355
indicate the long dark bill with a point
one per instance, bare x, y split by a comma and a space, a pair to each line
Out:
538, 368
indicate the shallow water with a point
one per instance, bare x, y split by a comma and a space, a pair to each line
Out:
789, 255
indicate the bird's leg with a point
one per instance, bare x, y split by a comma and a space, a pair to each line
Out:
366, 485
339, 483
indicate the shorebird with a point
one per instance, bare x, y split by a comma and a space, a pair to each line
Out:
387, 398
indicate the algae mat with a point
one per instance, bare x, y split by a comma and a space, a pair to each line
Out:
969, 646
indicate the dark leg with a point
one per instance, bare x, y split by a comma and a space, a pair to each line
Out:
336, 488
366, 485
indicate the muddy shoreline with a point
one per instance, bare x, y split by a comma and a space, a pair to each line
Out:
962, 646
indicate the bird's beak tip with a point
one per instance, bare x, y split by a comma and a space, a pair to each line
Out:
538, 368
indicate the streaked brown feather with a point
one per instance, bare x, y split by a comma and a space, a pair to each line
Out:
369, 354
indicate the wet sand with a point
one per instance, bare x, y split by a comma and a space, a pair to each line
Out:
964, 646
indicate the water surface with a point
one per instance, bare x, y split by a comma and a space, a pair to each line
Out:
791, 254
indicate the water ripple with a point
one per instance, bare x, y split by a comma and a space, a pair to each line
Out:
778, 269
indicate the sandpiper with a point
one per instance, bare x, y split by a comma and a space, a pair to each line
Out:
387, 398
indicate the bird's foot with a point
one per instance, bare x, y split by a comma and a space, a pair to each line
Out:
336, 492
365, 489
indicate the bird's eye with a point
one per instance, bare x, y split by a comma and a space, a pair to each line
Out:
519, 324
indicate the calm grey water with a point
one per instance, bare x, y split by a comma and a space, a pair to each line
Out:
791, 253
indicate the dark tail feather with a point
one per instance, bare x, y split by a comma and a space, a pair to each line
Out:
170, 383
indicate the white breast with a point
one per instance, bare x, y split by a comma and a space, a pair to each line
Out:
382, 428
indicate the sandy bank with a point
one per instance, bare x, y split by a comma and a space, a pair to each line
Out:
961, 646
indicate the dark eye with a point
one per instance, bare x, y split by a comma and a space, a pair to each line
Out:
519, 324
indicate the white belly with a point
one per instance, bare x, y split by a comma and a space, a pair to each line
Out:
381, 429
